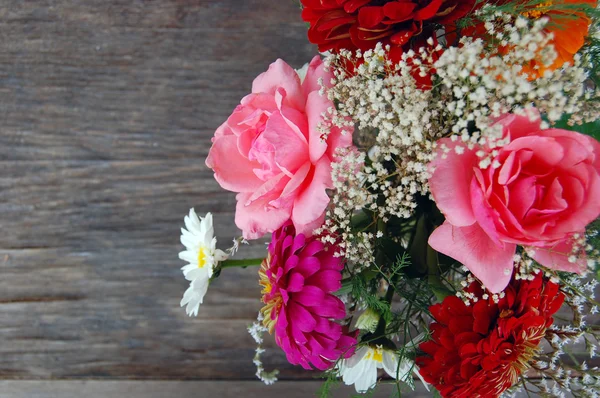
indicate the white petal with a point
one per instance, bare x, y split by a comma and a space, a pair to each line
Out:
189, 256
197, 275
220, 255
358, 356
390, 364
189, 240
368, 379
193, 297
187, 268
192, 222
208, 225
351, 375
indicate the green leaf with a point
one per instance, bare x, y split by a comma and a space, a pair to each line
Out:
592, 129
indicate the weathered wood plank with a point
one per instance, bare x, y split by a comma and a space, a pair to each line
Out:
95, 205
116, 314
162, 389
107, 108
135, 79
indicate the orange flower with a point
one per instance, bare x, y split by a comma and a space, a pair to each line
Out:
568, 26
569, 29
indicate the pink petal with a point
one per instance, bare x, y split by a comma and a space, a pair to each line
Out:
308, 266
557, 257
316, 71
316, 104
491, 263
328, 280
450, 183
232, 171
516, 126
280, 74
301, 317
280, 143
331, 307
295, 283
336, 139
258, 218
310, 296
310, 204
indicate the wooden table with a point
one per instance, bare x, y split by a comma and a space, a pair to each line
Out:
107, 108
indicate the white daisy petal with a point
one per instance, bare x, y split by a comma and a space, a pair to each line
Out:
390, 364
202, 255
368, 379
189, 256
220, 255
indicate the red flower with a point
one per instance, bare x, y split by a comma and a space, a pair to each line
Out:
481, 349
360, 24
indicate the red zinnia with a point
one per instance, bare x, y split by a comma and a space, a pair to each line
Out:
480, 350
361, 24
298, 278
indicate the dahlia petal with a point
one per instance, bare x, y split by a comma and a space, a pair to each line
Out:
310, 296
308, 266
295, 283
290, 263
328, 328
313, 248
299, 242
490, 263
327, 280
303, 319
428, 11
331, 307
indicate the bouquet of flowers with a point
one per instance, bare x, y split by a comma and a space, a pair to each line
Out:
431, 187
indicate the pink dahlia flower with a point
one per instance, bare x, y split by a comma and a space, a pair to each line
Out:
543, 188
271, 151
298, 279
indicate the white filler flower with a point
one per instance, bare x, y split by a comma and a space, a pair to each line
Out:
202, 255
361, 368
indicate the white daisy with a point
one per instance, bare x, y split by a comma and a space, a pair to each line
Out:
202, 255
361, 368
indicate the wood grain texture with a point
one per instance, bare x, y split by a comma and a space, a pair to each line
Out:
163, 389
107, 108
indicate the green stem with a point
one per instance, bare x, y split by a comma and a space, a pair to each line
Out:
249, 262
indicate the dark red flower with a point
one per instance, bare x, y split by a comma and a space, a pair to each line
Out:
479, 351
361, 24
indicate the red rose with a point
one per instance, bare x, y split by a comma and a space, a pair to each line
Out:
479, 350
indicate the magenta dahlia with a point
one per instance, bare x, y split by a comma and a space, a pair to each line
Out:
298, 278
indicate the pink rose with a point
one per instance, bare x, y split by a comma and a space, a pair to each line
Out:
270, 150
546, 188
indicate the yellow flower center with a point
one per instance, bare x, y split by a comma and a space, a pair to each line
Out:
273, 304
376, 354
537, 11
201, 257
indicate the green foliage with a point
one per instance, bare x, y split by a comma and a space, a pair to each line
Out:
592, 129
331, 382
